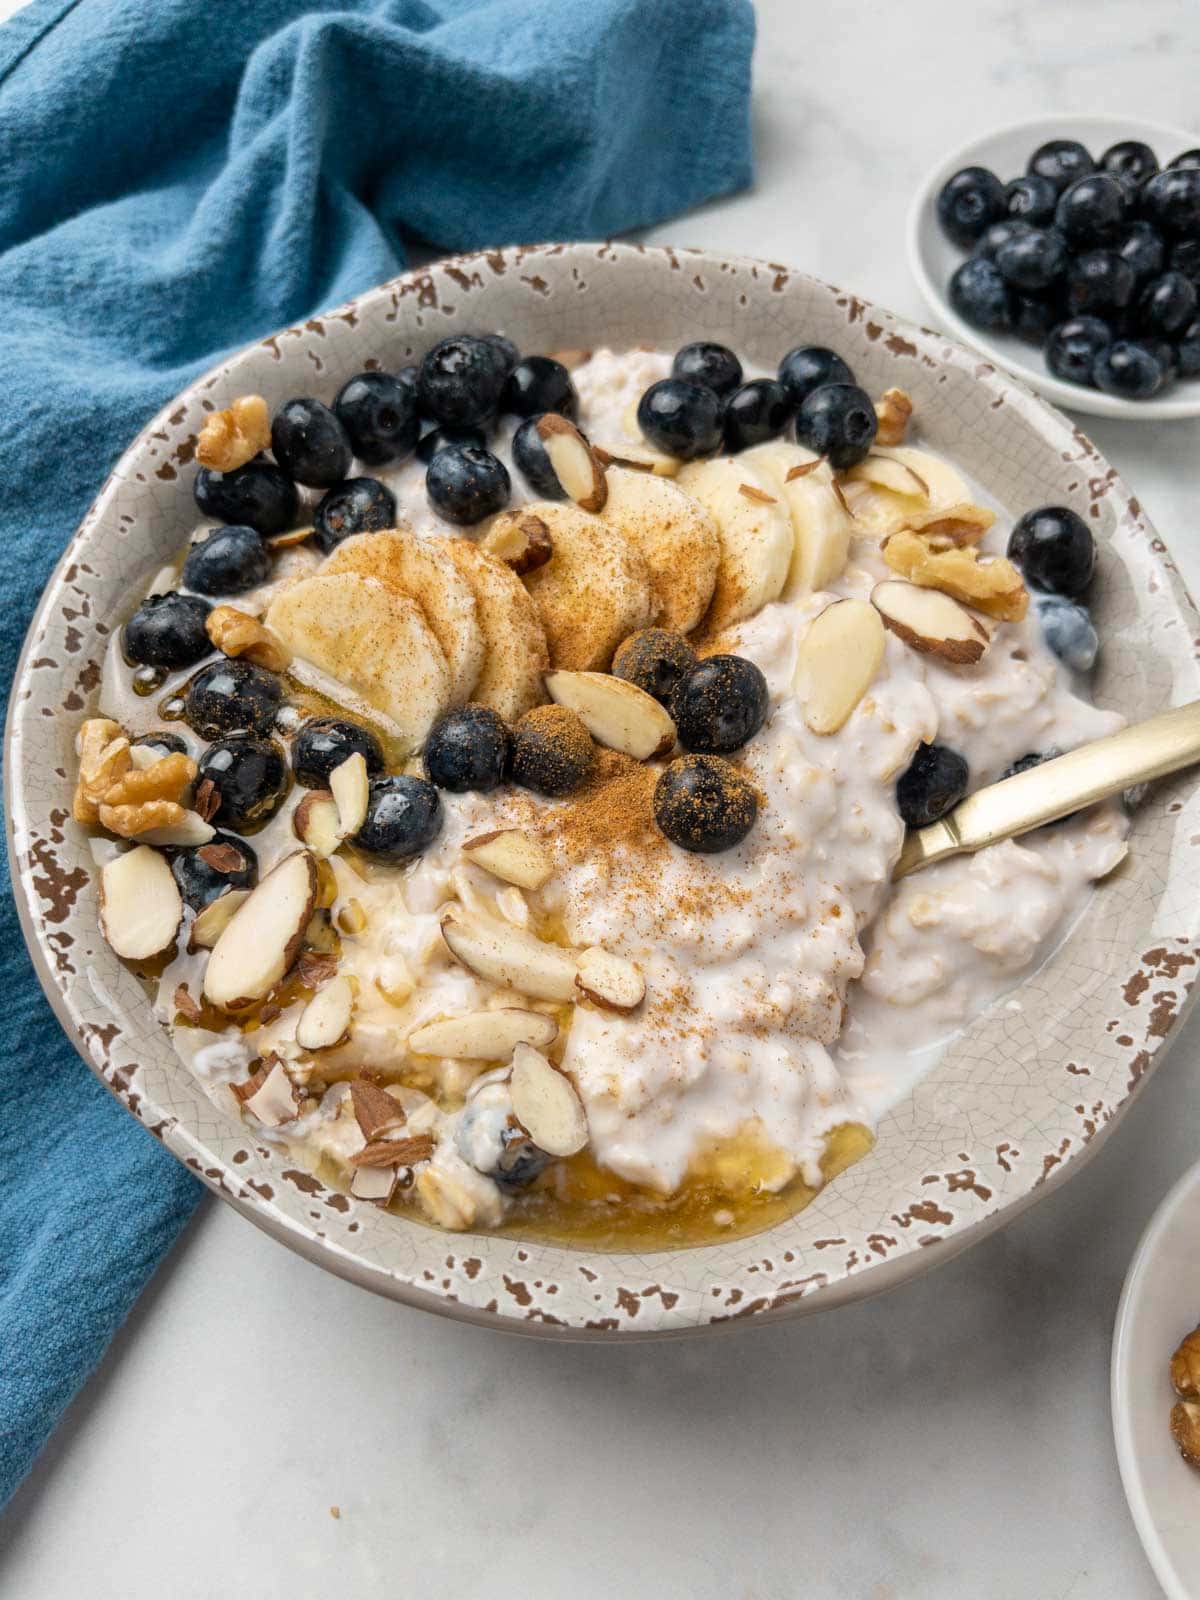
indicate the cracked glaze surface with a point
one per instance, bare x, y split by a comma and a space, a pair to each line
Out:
1015, 1102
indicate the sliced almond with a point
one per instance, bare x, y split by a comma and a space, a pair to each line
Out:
350, 785
483, 1035
263, 937
190, 829
751, 491
512, 855
395, 1152
837, 662
375, 1110
315, 967
930, 622
214, 918
140, 904
185, 1005
325, 1020
277, 1100
508, 955
522, 543
616, 713
610, 980
546, 1105
885, 472
575, 463
375, 1184
288, 540
640, 458
316, 823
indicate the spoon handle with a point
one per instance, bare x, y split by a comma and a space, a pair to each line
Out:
1166, 743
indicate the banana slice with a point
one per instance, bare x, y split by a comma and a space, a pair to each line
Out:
677, 538
515, 653
821, 525
423, 571
755, 532
371, 640
593, 592
879, 510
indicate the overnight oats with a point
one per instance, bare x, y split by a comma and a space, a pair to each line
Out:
502, 791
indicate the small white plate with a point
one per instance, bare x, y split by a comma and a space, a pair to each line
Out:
1159, 1305
933, 257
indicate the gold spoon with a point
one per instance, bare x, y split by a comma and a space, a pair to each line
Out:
1017, 805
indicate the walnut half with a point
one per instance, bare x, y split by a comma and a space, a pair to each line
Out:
994, 587
234, 436
237, 633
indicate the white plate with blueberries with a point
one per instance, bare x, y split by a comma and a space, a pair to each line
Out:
1067, 250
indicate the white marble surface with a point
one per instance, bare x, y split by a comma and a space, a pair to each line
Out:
950, 1439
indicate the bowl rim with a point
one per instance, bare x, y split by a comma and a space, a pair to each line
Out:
1184, 1191
1072, 397
327, 1252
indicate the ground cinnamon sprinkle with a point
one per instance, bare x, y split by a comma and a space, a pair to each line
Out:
615, 806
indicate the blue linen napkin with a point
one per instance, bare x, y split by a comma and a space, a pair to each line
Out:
176, 180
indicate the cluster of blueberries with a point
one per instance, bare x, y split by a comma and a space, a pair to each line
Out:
1098, 263
705, 407
1056, 553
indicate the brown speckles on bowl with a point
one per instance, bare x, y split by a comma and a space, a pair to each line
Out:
1016, 1104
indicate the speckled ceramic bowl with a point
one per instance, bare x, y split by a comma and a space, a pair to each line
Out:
1018, 1101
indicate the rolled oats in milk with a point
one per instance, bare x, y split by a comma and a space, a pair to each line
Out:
507, 811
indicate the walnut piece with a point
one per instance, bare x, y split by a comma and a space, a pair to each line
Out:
230, 438
103, 758
167, 779
893, 408
131, 821
1185, 1367
948, 526
1185, 1430
993, 587
236, 633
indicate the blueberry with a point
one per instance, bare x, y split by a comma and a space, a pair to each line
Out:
468, 749
1167, 304
460, 380
1091, 211
310, 443
1187, 351
167, 630
204, 874
809, 367
1062, 161
250, 776
1073, 346
379, 413
758, 411
1032, 260
324, 743
968, 202
1128, 370
162, 742
504, 351
521, 1161
532, 462
408, 378
1185, 258
1067, 629
933, 783
1187, 159
1031, 199
1142, 246
231, 697
1099, 281
719, 703
438, 439
654, 659
1027, 762
703, 803
539, 384
980, 295
1163, 351
1034, 317
712, 365
683, 419
464, 484
552, 751
404, 817
259, 496
356, 505
838, 421
227, 561
1054, 549
1171, 200
990, 240
1130, 158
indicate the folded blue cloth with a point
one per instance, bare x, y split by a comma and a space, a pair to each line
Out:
179, 179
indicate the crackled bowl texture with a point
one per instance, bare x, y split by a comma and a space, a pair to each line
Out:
1016, 1103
